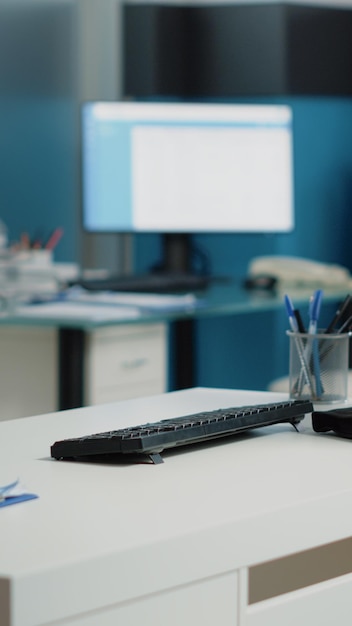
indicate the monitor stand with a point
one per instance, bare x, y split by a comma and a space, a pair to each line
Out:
177, 253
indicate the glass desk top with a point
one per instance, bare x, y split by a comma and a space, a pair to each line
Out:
221, 298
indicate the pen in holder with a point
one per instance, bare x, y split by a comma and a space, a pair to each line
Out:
318, 366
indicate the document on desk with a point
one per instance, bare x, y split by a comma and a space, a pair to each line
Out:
144, 301
79, 310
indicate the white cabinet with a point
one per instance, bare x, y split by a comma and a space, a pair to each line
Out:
124, 362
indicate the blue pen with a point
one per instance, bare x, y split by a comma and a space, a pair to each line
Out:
5, 488
291, 314
314, 312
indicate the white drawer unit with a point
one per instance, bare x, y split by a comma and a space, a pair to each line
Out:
125, 362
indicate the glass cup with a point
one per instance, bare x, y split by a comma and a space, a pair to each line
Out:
318, 366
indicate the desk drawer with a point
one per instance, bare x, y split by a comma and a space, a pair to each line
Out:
202, 603
310, 587
323, 604
125, 362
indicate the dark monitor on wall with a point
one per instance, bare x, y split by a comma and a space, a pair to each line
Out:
178, 169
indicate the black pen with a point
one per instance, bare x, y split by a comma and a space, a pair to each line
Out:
299, 321
346, 326
339, 314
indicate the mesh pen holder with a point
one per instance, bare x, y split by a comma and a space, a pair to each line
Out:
318, 366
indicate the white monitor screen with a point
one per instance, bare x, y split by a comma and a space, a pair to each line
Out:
177, 168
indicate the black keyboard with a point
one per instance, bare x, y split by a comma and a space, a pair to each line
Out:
147, 283
153, 438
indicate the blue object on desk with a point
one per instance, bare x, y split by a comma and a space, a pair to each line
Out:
314, 312
7, 501
291, 314
12, 493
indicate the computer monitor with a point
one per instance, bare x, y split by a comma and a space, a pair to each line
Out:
179, 169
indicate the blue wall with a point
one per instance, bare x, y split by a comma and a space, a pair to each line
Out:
39, 163
249, 351
39, 170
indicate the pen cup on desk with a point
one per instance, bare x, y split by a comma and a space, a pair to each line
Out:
318, 366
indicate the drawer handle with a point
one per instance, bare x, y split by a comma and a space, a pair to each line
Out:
133, 364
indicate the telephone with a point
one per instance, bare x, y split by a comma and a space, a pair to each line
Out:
300, 271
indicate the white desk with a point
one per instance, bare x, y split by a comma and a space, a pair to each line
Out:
185, 542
